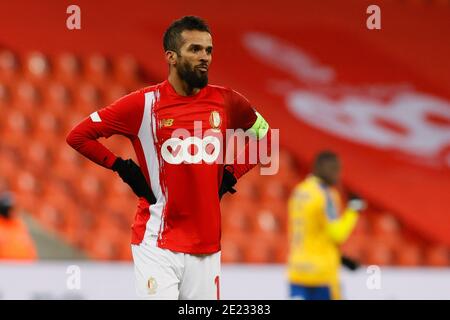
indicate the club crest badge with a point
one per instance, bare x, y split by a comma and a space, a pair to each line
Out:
215, 120
152, 285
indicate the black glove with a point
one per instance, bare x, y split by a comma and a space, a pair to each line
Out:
349, 263
228, 181
132, 175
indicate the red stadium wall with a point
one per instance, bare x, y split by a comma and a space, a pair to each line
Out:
340, 69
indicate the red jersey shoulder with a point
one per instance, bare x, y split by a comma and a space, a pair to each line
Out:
240, 111
231, 96
224, 91
151, 88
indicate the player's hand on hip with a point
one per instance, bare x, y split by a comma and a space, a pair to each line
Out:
228, 181
132, 175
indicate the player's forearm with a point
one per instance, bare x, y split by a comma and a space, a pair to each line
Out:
262, 133
83, 138
340, 229
241, 169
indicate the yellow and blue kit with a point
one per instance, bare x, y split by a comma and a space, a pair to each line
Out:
316, 229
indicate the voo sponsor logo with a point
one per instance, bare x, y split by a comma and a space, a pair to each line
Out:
177, 151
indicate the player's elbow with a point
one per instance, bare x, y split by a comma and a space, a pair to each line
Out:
70, 139
73, 139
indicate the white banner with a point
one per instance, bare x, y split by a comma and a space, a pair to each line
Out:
94, 280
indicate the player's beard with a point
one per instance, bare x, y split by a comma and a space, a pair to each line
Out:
193, 77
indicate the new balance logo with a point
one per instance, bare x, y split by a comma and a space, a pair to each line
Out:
166, 122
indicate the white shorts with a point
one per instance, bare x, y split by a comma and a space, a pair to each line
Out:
165, 274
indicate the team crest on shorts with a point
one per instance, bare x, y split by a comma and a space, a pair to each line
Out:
215, 120
152, 285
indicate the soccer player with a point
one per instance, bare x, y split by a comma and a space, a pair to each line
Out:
176, 232
16, 242
316, 229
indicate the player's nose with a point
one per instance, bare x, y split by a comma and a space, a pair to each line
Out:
204, 56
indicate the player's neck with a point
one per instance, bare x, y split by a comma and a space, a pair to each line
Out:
181, 87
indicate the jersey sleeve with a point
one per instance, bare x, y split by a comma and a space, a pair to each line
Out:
243, 116
241, 113
121, 117
339, 227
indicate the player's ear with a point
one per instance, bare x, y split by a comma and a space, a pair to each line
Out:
171, 57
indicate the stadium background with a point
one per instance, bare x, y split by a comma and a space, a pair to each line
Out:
380, 98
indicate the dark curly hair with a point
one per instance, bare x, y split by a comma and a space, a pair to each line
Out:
172, 37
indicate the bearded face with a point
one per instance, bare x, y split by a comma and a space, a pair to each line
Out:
196, 76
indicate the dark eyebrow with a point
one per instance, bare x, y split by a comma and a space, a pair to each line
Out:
194, 45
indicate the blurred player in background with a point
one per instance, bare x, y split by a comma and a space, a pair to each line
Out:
15, 240
176, 232
316, 229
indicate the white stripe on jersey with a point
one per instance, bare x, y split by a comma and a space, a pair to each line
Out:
95, 117
151, 158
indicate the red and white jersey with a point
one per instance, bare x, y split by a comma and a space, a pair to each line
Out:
186, 217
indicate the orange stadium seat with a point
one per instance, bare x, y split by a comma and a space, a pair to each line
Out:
5, 96
26, 182
114, 93
238, 218
67, 67
124, 250
72, 119
66, 164
278, 209
355, 246
106, 241
437, 256
260, 249
90, 186
88, 98
16, 125
384, 226
36, 66
126, 70
363, 226
282, 247
384, 223
9, 65
38, 157
288, 168
50, 216
377, 253
275, 188
47, 122
57, 98
409, 255
26, 98
98, 68
232, 250
266, 221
